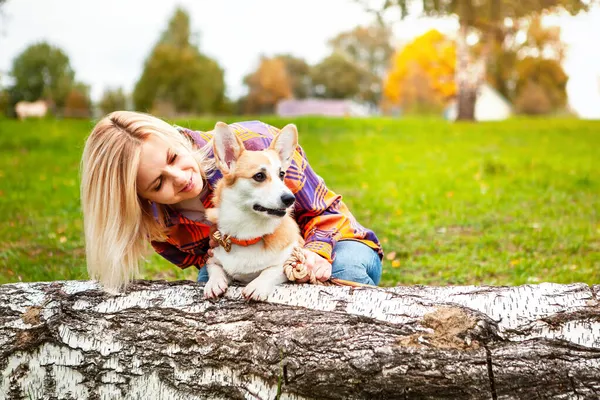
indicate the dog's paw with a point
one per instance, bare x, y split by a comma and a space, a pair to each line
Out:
215, 287
257, 290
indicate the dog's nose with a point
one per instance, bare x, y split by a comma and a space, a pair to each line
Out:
288, 199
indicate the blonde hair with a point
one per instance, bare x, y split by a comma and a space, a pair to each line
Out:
118, 224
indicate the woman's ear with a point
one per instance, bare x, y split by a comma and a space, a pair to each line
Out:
227, 147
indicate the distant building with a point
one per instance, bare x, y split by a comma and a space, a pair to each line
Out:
489, 106
326, 107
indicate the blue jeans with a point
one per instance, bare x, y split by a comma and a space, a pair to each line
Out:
353, 261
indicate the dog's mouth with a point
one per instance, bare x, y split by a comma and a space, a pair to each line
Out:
279, 212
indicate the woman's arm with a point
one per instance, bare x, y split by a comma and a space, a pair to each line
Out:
319, 211
183, 259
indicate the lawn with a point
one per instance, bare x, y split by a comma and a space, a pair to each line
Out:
493, 203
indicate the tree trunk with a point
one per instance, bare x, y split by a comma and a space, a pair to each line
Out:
160, 340
469, 76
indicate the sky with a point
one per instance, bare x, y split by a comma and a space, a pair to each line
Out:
108, 40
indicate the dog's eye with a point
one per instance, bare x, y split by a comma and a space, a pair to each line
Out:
281, 174
259, 177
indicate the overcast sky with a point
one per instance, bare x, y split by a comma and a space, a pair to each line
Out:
108, 40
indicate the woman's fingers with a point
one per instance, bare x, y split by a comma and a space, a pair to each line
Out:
322, 269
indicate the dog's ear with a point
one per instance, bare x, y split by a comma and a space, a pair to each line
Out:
227, 147
285, 143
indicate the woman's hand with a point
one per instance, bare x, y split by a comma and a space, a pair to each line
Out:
317, 264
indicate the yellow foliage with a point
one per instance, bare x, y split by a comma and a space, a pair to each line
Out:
267, 85
422, 72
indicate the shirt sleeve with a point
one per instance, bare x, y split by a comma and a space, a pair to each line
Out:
318, 210
181, 258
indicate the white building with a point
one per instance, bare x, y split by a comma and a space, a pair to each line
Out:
327, 107
489, 106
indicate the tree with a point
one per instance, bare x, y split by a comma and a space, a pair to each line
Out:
298, 72
539, 77
162, 340
78, 103
113, 100
541, 43
421, 76
42, 71
519, 65
4, 102
178, 74
336, 77
533, 100
269, 84
368, 47
486, 18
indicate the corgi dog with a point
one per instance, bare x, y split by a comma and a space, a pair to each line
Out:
252, 205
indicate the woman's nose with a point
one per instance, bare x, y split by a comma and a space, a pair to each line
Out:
179, 177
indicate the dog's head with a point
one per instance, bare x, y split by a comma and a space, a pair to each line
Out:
253, 180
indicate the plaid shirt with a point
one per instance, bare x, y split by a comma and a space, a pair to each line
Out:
321, 214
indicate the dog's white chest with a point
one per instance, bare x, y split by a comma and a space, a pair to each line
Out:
244, 263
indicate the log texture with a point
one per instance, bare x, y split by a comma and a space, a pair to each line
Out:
162, 340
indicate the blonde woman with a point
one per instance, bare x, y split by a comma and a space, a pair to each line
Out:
145, 181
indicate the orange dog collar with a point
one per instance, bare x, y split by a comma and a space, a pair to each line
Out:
225, 241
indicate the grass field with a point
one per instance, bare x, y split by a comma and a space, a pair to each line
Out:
493, 203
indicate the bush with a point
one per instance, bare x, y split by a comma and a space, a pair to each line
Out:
113, 100
533, 100
78, 103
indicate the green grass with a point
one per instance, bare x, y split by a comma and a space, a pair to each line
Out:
493, 203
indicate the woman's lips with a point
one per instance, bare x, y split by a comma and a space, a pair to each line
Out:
189, 186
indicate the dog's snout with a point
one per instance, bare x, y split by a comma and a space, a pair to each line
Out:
288, 199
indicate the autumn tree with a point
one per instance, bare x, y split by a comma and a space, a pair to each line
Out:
485, 18
538, 77
337, 77
539, 42
298, 72
113, 100
177, 74
370, 49
533, 100
421, 76
269, 84
78, 103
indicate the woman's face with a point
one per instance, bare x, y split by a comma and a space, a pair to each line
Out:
167, 175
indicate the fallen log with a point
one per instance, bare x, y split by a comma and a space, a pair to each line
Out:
162, 340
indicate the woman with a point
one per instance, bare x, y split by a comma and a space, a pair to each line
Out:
143, 180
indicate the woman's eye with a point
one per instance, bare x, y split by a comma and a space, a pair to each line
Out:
281, 175
157, 188
173, 158
259, 177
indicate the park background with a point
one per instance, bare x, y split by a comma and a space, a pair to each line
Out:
509, 200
